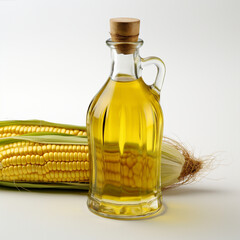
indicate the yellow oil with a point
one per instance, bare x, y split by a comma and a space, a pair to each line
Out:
124, 124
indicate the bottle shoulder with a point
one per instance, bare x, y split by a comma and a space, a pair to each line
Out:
96, 97
133, 95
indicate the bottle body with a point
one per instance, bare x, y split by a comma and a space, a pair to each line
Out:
125, 124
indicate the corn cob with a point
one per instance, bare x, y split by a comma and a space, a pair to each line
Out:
51, 158
27, 161
16, 128
37, 161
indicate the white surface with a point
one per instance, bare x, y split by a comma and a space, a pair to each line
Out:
53, 59
199, 212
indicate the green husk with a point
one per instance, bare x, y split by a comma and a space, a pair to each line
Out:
46, 138
40, 123
25, 185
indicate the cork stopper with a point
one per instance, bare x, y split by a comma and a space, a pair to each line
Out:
124, 30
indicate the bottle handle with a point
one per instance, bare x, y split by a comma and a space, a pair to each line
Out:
161, 70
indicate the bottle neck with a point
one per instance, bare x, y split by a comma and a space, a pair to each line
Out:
125, 67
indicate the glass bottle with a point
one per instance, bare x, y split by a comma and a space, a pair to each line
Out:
124, 125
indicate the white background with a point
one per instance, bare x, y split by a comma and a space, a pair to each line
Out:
53, 60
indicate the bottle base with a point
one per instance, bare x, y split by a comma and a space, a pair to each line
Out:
145, 209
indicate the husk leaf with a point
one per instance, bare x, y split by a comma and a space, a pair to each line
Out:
47, 138
40, 123
26, 185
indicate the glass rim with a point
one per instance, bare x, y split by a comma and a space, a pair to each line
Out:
112, 44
